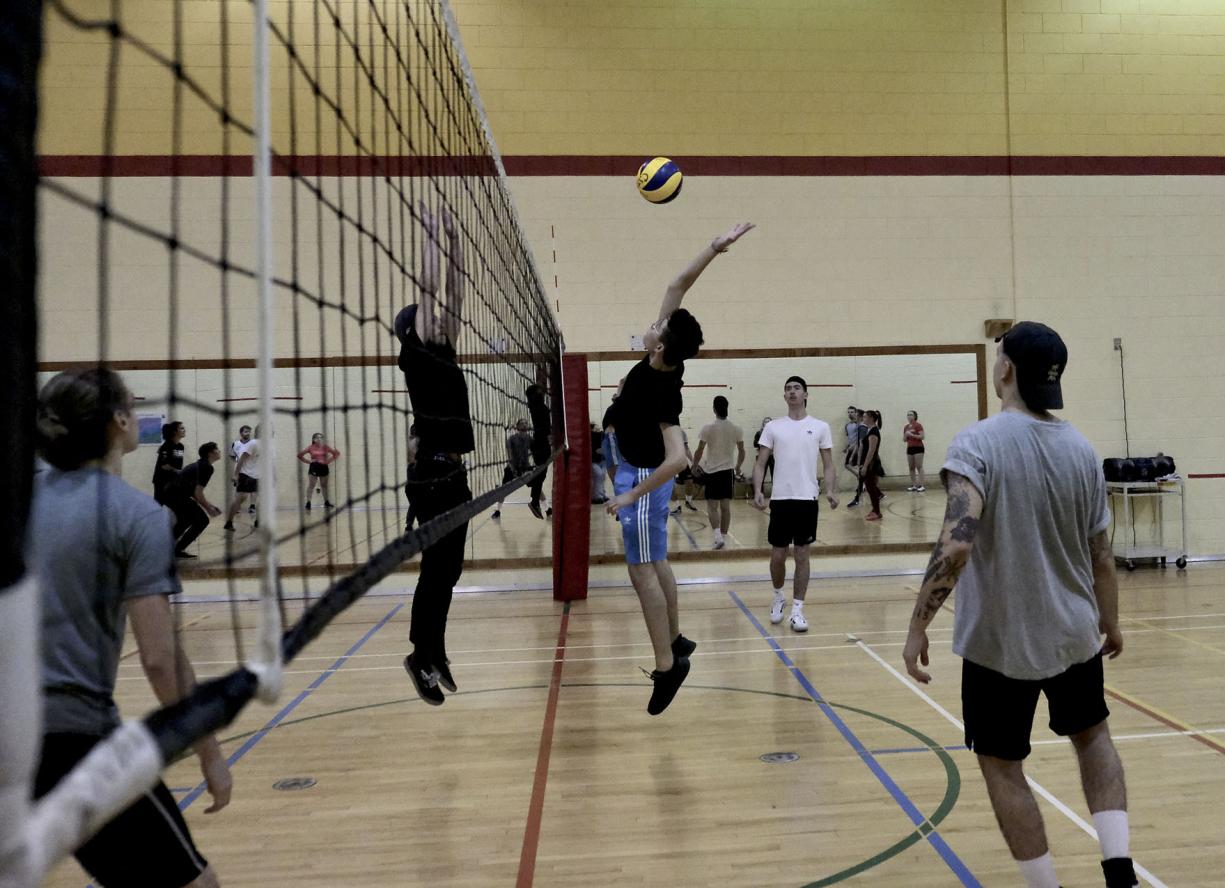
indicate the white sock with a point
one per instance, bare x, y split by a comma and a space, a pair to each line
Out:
1112, 833
778, 594
796, 606
718, 536
689, 500
1039, 872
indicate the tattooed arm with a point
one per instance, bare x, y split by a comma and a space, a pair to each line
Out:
965, 507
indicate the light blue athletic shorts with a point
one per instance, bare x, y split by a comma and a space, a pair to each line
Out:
644, 525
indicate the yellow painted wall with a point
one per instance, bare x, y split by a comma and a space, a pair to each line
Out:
774, 77
836, 261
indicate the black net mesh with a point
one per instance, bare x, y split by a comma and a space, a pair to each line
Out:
381, 160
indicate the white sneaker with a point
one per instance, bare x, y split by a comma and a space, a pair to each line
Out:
920, 489
911, 488
798, 623
776, 610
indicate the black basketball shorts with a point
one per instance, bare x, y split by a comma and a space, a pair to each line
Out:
792, 522
999, 711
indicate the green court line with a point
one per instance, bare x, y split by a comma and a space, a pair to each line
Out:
951, 771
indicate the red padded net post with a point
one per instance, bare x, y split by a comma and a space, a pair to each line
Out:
572, 488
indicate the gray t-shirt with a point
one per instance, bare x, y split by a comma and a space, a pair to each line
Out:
95, 542
1025, 603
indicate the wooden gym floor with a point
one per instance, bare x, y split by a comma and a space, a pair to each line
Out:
545, 769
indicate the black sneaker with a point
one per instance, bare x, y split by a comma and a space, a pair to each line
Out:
853, 503
252, 509
1119, 872
683, 647
534, 508
308, 505
443, 671
497, 513
667, 684
229, 525
328, 505
549, 511
425, 679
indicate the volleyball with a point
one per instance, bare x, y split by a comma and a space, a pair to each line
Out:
659, 180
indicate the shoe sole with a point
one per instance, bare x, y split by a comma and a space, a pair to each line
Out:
795, 628
774, 622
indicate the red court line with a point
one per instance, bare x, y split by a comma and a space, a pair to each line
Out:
1168, 722
274, 397
531, 833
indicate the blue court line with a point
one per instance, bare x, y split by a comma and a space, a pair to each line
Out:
292, 705
681, 524
916, 817
961, 747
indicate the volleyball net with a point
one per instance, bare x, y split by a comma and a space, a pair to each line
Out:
250, 195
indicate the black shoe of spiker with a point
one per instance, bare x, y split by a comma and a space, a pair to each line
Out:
667, 684
534, 508
424, 680
1119, 872
683, 647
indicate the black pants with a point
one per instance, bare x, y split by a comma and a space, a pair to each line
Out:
190, 519
540, 456
437, 486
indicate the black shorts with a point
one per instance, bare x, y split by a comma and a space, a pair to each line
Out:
318, 470
247, 484
145, 841
720, 485
685, 475
911, 451
999, 711
792, 521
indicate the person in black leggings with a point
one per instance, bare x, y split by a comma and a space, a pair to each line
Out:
427, 332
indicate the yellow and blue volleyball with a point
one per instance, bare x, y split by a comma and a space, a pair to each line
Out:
659, 180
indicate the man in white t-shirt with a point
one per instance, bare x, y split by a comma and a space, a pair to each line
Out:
722, 444
794, 440
246, 478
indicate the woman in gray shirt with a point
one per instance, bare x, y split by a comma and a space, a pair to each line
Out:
102, 551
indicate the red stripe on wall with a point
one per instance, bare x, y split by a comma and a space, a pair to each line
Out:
1221, 475
128, 165
963, 382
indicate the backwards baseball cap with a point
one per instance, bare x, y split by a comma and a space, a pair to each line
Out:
404, 322
1040, 358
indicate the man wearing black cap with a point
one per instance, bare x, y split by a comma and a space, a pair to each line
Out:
427, 333
1025, 543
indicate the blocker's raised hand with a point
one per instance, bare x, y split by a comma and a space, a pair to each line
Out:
723, 241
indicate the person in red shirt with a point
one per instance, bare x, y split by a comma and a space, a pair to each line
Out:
319, 456
912, 437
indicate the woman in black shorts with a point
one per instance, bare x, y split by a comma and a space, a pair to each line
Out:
318, 456
912, 436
